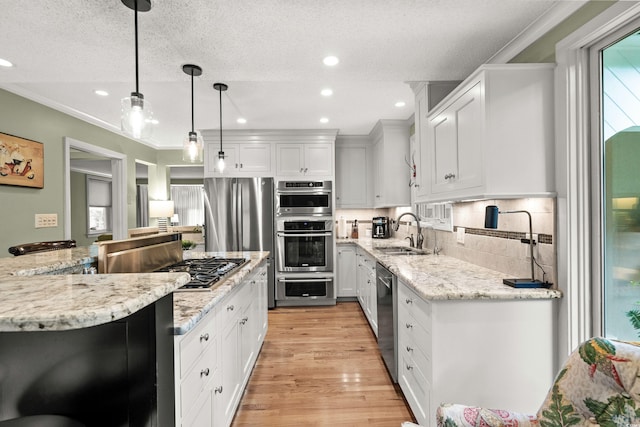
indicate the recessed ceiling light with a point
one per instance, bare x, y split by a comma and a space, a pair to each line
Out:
324, 120
101, 92
330, 61
5, 63
241, 120
400, 104
326, 92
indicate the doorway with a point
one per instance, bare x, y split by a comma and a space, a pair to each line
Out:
118, 173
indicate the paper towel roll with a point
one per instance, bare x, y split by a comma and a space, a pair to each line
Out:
342, 227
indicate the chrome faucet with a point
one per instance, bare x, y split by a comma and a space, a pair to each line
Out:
419, 237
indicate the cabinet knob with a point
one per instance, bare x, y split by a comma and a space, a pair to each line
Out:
236, 166
301, 170
218, 390
230, 307
306, 170
204, 337
409, 367
450, 176
244, 320
204, 372
377, 196
409, 349
409, 301
409, 325
240, 165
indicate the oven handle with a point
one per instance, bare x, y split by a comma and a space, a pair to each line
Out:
328, 234
328, 279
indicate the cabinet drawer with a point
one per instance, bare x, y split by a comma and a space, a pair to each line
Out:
231, 307
198, 378
201, 415
419, 308
196, 342
416, 388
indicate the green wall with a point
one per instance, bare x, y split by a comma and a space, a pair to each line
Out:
27, 119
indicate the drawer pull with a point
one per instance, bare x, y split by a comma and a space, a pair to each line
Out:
218, 390
204, 337
409, 367
409, 325
244, 320
409, 349
204, 372
230, 307
409, 301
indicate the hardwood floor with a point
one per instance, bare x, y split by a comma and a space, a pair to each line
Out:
320, 366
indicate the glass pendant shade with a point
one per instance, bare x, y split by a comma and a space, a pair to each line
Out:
221, 164
192, 148
136, 116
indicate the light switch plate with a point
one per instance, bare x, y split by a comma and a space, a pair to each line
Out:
460, 235
46, 220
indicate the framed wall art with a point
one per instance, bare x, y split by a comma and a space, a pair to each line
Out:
21, 161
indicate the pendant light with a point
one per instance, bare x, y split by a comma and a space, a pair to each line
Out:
136, 116
220, 87
192, 146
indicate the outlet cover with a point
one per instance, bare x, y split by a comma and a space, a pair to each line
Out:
46, 220
460, 235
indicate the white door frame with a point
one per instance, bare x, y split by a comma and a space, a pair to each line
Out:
118, 185
577, 229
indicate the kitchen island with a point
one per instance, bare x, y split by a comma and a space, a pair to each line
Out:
462, 336
97, 349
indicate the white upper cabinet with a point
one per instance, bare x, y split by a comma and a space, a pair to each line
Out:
266, 153
427, 95
354, 186
492, 137
391, 171
248, 159
308, 159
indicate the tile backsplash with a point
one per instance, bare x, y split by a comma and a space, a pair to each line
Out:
499, 249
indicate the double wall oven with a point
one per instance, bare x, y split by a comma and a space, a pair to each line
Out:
304, 243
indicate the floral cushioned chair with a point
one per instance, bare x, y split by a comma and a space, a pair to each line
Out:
599, 384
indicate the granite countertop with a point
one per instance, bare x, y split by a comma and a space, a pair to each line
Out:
440, 277
191, 306
35, 297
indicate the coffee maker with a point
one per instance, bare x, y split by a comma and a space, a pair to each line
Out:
380, 227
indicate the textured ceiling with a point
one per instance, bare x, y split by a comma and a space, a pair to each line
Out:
269, 52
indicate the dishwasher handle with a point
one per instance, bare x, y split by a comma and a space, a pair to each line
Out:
387, 283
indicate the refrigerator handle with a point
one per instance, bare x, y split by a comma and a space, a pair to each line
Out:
239, 224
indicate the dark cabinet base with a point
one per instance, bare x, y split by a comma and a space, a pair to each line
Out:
116, 374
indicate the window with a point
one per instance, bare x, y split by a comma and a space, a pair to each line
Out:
620, 204
188, 204
99, 205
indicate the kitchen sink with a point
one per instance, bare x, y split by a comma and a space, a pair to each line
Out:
401, 250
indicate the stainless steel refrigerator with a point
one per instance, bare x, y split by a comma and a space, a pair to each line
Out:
239, 217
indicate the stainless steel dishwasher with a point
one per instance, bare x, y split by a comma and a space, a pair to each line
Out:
387, 287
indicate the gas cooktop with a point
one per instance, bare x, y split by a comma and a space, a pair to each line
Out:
205, 272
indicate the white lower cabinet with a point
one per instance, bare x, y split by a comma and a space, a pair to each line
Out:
366, 287
346, 271
214, 360
487, 353
414, 351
